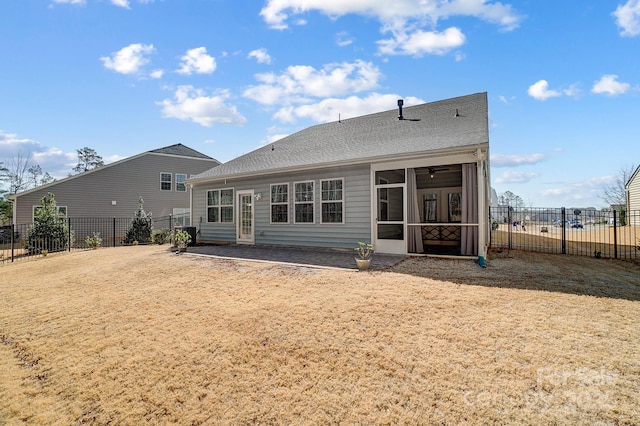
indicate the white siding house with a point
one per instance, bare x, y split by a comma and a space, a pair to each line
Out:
632, 189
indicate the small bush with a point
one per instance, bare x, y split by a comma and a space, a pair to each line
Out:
95, 241
182, 238
160, 236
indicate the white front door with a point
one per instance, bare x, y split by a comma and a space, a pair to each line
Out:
245, 218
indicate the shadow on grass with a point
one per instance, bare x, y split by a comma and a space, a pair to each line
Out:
535, 271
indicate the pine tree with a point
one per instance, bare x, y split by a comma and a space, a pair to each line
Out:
141, 226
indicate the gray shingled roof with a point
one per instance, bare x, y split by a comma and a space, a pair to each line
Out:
426, 127
181, 150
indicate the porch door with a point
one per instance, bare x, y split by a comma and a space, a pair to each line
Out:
390, 217
245, 217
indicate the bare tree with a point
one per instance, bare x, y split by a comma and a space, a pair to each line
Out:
88, 159
21, 174
614, 194
6, 208
37, 177
17, 174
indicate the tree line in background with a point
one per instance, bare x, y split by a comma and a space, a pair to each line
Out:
19, 173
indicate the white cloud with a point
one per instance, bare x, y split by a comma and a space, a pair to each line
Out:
540, 91
121, 3
11, 145
300, 83
609, 85
582, 193
406, 20
516, 177
261, 56
503, 160
52, 160
129, 59
628, 18
276, 12
156, 74
197, 60
70, 1
343, 39
190, 104
332, 109
572, 91
421, 42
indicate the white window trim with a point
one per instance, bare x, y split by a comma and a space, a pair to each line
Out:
182, 215
271, 203
312, 202
170, 182
342, 201
182, 183
65, 216
220, 205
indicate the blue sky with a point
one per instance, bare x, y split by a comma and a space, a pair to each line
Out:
225, 77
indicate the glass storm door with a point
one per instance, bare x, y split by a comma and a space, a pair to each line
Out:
390, 212
245, 217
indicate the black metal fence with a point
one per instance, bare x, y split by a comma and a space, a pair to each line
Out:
588, 232
17, 242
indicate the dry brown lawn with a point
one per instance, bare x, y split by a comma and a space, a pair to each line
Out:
137, 335
584, 241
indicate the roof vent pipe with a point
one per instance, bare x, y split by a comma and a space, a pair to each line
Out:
400, 103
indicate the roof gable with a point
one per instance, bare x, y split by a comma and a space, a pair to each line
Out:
633, 176
446, 124
180, 150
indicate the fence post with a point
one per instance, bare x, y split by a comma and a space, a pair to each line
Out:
114, 232
509, 225
615, 235
69, 232
564, 231
13, 237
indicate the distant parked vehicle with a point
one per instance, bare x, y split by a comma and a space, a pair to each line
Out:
575, 224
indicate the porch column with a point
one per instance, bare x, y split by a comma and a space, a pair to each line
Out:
482, 205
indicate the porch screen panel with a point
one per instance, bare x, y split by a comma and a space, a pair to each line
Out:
414, 237
469, 234
390, 213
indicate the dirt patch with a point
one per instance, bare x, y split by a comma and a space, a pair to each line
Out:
137, 335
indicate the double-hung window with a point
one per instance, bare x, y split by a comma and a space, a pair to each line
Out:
332, 200
220, 205
180, 178
280, 203
165, 181
303, 202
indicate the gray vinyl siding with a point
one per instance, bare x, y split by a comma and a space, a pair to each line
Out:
634, 193
91, 193
356, 210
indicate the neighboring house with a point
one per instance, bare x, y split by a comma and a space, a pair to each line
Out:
632, 189
113, 191
412, 181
